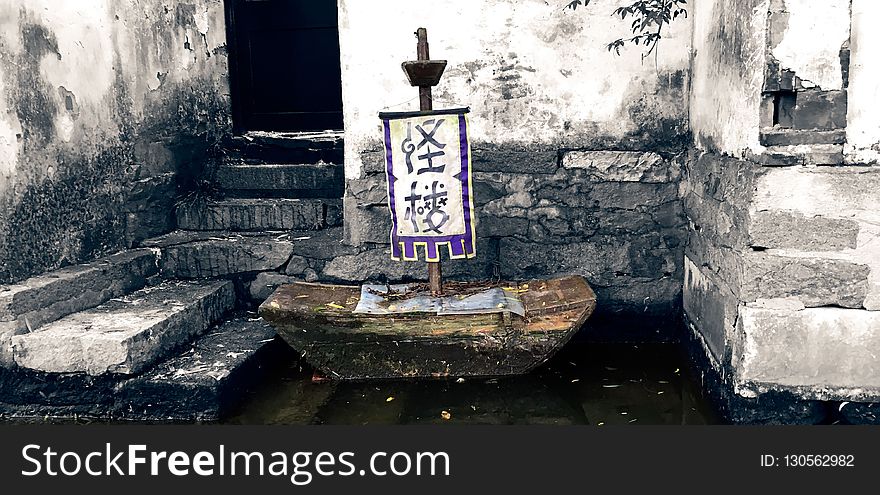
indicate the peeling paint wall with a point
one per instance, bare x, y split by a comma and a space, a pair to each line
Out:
104, 106
532, 72
863, 119
794, 43
727, 74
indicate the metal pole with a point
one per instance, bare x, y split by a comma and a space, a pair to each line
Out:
425, 103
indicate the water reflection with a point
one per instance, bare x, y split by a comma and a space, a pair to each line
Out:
584, 384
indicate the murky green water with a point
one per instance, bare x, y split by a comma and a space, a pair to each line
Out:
584, 384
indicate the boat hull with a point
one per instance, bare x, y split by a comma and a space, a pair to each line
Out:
317, 320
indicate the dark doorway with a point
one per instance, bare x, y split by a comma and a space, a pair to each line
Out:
284, 65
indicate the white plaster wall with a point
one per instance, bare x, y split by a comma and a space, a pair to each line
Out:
863, 118
810, 44
727, 72
531, 70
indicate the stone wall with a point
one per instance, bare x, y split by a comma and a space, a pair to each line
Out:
577, 152
105, 107
781, 264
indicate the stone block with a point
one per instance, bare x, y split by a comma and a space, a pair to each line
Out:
838, 192
724, 262
789, 230
494, 226
813, 281
820, 110
504, 159
794, 137
370, 191
251, 214
622, 166
365, 224
208, 379
125, 335
822, 353
308, 180
711, 306
296, 265
265, 284
191, 254
45, 298
322, 245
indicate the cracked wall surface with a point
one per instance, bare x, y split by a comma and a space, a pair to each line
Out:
104, 108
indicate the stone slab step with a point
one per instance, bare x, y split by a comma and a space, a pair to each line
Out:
254, 214
282, 179
192, 254
45, 298
209, 378
200, 382
280, 147
125, 335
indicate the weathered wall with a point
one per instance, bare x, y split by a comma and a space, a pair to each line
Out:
782, 266
104, 107
531, 71
727, 74
577, 152
863, 121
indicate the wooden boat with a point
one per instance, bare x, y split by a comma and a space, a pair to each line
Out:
319, 321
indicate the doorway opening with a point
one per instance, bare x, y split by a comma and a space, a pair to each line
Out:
284, 65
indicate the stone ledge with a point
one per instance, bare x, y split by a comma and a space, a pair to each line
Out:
201, 383
790, 137
43, 299
296, 180
211, 254
791, 230
823, 353
622, 166
812, 281
252, 214
125, 335
205, 381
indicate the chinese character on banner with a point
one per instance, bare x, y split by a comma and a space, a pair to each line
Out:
430, 195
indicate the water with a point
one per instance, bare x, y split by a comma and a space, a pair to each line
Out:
607, 384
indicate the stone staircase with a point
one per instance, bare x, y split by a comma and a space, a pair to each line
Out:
167, 330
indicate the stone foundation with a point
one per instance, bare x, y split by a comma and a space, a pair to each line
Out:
780, 271
614, 217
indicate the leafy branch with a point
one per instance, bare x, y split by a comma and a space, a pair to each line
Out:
648, 19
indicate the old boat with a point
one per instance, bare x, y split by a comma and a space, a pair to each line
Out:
319, 320
428, 330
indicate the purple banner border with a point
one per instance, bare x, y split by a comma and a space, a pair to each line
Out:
460, 245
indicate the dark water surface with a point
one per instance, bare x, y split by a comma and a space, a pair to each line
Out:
598, 384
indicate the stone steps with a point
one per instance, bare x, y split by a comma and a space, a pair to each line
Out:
125, 335
191, 254
205, 381
292, 180
256, 214
277, 147
45, 298
200, 382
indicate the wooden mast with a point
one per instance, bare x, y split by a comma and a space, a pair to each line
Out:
426, 103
